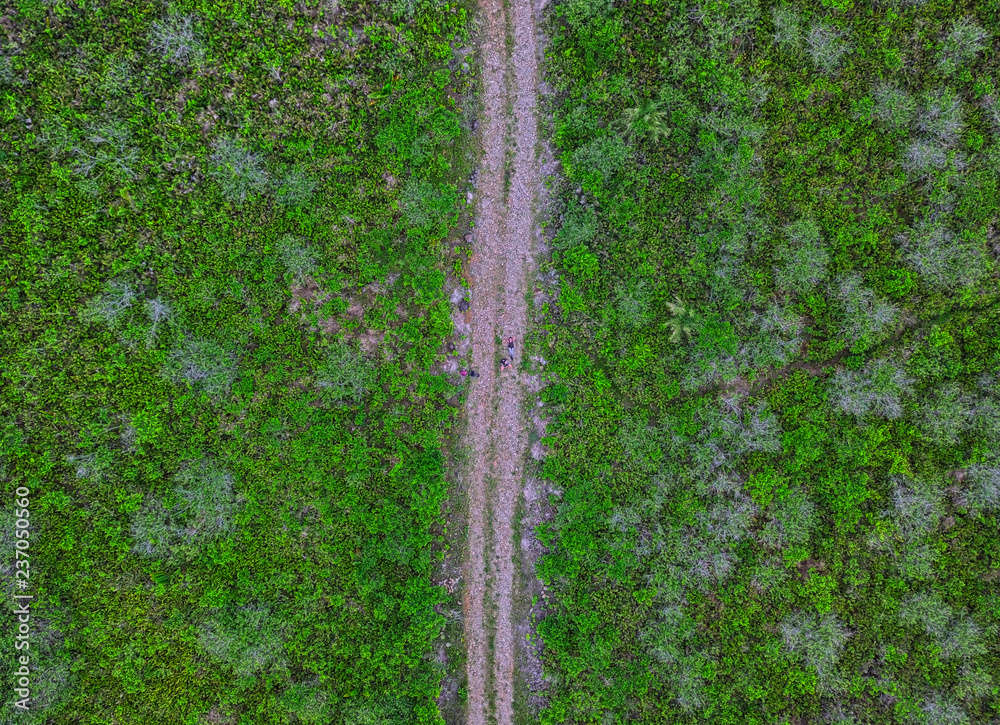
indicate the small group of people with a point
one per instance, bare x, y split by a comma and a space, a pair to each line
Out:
504, 362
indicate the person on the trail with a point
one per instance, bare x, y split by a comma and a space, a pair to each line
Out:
470, 373
504, 363
510, 347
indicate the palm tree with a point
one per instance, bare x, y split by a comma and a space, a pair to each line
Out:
684, 320
647, 120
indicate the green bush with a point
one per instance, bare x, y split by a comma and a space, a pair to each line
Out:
345, 375
247, 638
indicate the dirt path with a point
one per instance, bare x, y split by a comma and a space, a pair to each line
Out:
499, 268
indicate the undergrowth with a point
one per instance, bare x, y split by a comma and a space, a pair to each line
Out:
772, 366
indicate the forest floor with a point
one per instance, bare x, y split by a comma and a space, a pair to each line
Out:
500, 269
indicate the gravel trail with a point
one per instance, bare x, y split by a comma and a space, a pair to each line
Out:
508, 180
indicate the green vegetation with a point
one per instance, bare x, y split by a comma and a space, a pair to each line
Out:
772, 366
224, 242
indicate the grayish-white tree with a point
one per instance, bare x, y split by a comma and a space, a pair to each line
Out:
802, 260
945, 414
94, 466
774, 338
918, 506
113, 305
248, 638
176, 39
202, 507
867, 317
202, 364
208, 504
787, 27
819, 640
876, 390
940, 116
108, 150
943, 260
939, 709
159, 312
792, 519
965, 40
297, 258
827, 45
239, 172
928, 611
295, 188
894, 106
345, 375
923, 156
984, 488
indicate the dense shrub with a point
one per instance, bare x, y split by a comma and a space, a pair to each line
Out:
227, 524
820, 238
345, 374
